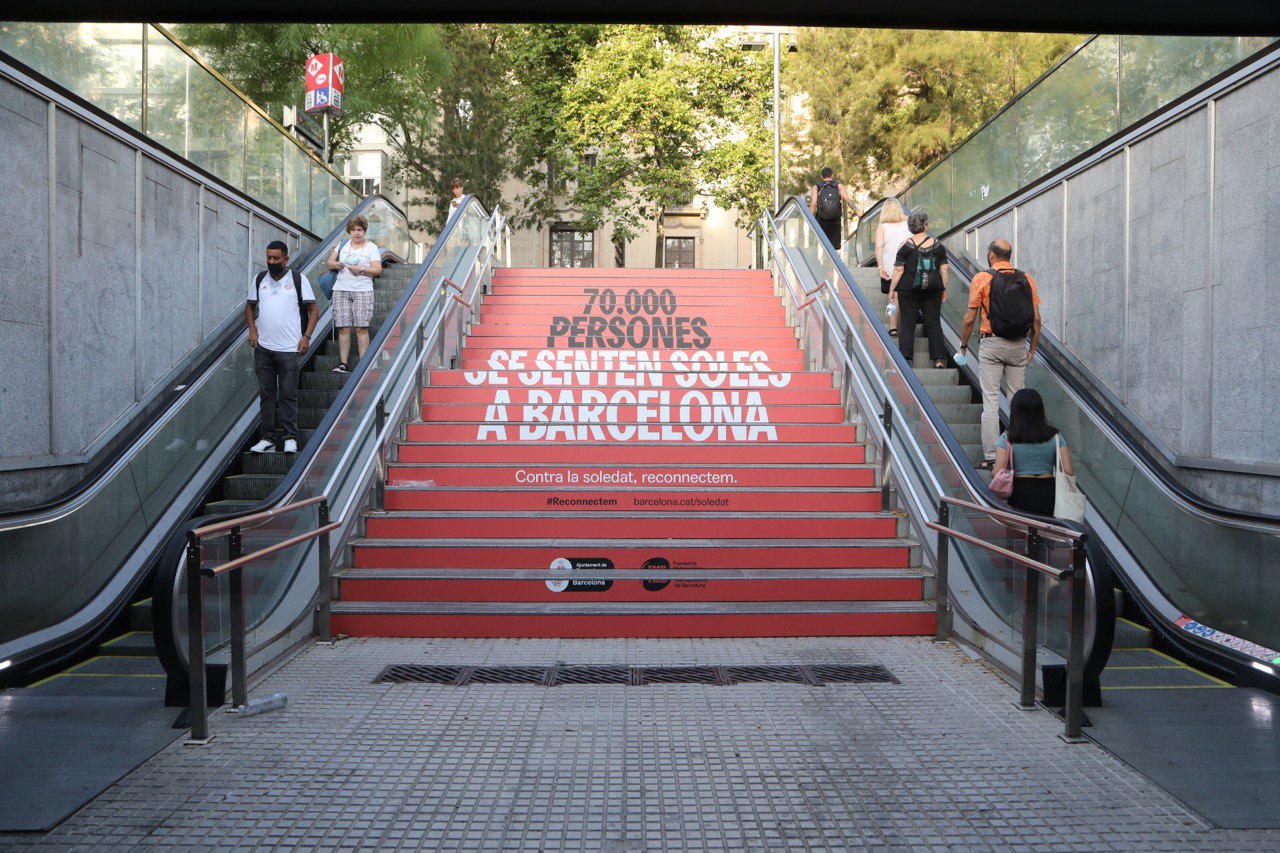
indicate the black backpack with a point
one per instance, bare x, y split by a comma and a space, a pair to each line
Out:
1010, 309
303, 311
829, 200
928, 273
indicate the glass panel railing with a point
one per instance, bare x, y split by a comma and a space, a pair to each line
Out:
1108, 84
339, 463
52, 565
187, 108
927, 460
1216, 571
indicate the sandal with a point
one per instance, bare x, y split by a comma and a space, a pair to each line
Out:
893, 333
939, 364
986, 465
341, 368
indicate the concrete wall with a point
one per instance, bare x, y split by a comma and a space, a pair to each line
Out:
119, 267
1157, 270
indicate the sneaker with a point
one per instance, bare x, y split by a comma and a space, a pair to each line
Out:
266, 445
341, 368
290, 445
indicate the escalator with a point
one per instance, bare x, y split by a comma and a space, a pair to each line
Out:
96, 546
1192, 577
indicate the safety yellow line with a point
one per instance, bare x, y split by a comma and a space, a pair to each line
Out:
83, 663
122, 636
1112, 668
109, 675
1175, 687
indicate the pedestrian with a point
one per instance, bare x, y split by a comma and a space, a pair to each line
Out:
891, 233
1029, 448
826, 202
357, 260
455, 187
281, 313
919, 285
1010, 330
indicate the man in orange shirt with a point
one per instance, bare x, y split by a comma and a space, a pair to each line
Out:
1010, 307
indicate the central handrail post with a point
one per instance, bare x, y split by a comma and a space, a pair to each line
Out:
1075, 646
887, 418
197, 712
1030, 621
239, 689
323, 628
942, 628
846, 394
379, 477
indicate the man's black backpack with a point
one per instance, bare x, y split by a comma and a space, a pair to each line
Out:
303, 312
1009, 306
828, 200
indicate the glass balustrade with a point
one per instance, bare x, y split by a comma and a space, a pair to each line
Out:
856, 342
340, 465
1106, 85
51, 568
141, 75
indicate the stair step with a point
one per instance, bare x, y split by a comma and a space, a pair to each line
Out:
605, 375
694, 501
637, 453
769, 396
654, 478
702, 434
632, 619
249, 487
409, 524
410, 585
633, 553
693, 410
134, 644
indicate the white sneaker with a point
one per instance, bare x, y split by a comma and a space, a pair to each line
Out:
290, 445
266, 445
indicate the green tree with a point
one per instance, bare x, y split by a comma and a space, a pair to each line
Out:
657, 115
385, 65
882, 105
457, 126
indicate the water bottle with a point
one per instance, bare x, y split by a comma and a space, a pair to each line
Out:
891, 310
960, 359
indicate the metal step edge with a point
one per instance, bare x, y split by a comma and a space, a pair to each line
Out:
631, 574
660, 545
693, 608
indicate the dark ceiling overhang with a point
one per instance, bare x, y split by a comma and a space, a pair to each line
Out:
1174, 17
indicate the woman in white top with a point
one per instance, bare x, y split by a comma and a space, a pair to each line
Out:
357, 261
891, 233
455, 187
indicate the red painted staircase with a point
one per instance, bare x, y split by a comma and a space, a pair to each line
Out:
631, 453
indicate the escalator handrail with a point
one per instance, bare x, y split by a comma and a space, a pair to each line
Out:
980, 493
229, 337
171, 653
1054, 355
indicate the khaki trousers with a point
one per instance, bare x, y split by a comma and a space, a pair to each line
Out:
998, 359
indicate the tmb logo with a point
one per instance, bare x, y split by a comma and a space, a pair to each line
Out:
657, 564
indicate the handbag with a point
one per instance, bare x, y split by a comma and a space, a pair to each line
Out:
327, 280
1002, 482
1068, 501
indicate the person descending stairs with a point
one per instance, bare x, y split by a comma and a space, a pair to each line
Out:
631, 453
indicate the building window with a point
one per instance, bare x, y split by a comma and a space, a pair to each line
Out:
367, 186
572, 248
677, 253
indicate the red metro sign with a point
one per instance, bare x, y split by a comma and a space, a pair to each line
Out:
326, 79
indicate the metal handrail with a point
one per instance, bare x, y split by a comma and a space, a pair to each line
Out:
1063, 533
384, 428
883, 428
198, 710
1036, 548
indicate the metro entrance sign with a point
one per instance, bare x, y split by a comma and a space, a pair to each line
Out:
326, 78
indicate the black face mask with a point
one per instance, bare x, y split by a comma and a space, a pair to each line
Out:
276, 270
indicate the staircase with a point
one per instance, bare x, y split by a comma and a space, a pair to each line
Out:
631, 453
959, 404
255, 475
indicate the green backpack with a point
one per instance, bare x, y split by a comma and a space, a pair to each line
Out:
928, 275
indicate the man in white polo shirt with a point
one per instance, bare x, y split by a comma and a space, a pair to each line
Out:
278, 300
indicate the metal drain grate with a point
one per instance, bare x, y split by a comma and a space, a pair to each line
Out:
866, 673
814, 675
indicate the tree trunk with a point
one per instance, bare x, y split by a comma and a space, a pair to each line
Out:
658, 249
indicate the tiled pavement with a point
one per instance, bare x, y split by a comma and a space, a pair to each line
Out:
941, 761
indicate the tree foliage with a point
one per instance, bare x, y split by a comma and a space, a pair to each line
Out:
385, 65
882, 105
656, 115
